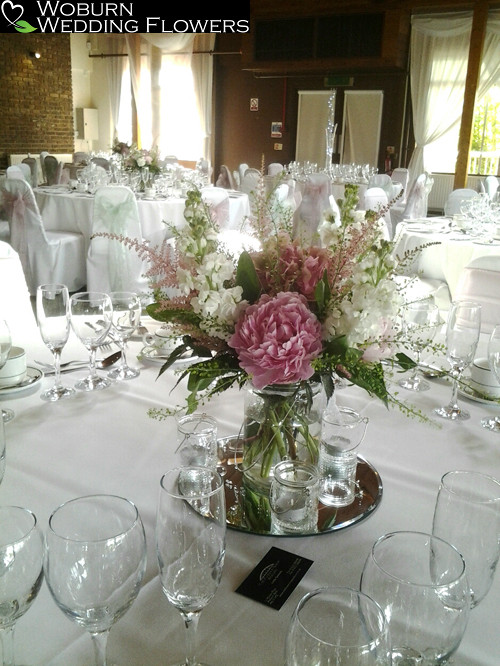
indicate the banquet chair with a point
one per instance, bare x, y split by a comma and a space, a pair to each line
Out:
250, 181
225, 178
375, 199
15, 301
217, 199
490, 185
416, 203
102, 162
383, 181
43, 155
274, 169
480, 281
242, 169
15, 171
401, 175
53, 170
455, 199
80, 158
46, 256
314, 205
112, 266
236, 179
33, 166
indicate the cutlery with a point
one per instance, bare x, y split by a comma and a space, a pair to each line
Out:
70, 366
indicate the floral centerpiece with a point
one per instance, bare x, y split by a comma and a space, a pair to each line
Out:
287, 320
134, 158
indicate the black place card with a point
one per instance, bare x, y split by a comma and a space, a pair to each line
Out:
275, 577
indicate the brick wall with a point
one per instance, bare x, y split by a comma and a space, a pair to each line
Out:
36, 98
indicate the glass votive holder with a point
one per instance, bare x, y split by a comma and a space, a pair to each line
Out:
294, 498
341, 435
197, 440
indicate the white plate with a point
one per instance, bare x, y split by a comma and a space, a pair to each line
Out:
467, 391
33, 377
151, 354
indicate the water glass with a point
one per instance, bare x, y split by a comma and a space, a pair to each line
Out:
467, 515
294, 498
197, 440
342, 432
337, 625
419, 581
21, 571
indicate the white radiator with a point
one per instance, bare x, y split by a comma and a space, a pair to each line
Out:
443, 185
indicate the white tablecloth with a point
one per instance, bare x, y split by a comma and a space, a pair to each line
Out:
105, 442
443, 254
70, 211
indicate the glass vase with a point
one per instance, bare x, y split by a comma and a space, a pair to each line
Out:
282, 422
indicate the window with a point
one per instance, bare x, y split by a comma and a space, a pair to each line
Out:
485, 145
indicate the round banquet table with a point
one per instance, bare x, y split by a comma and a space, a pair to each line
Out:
106, 442
443, 252
68, 210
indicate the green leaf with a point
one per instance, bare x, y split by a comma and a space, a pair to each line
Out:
24, 26
404, 361
322, 294
246, 278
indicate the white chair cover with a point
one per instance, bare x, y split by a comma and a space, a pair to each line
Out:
480, 281
225, 178
491, 184
455, 199
46, 256
274, 169
375, 199
416, 204
15, 302
401, 175
15, 171
101, 162
236, 179
79, 157
313, 207
33, 167
53, 170
217, 198
383, 181
43, 155
111, 266
242, 168
250, 180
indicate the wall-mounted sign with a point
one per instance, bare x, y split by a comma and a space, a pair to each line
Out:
276, 130
254, 104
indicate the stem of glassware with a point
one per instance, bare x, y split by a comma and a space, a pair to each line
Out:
92, 354
454, 391
57, 367
7, 641
191, 624
99, 641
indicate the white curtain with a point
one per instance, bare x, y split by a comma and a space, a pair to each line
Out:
202, 67
114, 73
439, 49
439, 56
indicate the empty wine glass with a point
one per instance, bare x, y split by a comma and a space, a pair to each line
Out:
21, 571
126, 318
467, 515
52, 311
419, 581
462, 335
5, 345
421, 321
337, 625
91, 316
191, 543
494, 362
95, 559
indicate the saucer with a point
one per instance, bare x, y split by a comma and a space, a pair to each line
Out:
467, 391
151, 354
33, 377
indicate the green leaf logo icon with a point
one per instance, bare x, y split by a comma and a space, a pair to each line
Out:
24, 26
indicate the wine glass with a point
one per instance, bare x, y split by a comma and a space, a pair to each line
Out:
91, 316
467, 515
462, 335
95, 559
5, 345
337, 625
126, 318
3, 447
191, 542
421, 321
52, 310
494, 362
420, 583
21, 571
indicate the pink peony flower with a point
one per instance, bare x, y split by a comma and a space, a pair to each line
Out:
276, 339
